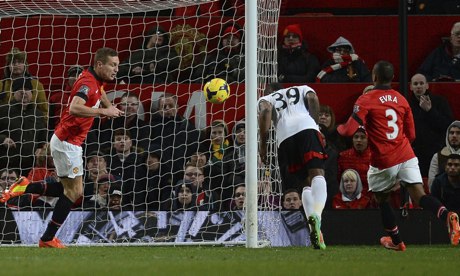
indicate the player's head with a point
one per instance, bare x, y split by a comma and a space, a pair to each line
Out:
106, 63
383, 73
272, 87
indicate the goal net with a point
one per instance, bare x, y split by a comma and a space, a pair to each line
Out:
172, 170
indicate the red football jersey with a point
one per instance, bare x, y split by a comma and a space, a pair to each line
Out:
74, 129
388, 120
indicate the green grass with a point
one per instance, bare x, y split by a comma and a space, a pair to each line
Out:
236, 261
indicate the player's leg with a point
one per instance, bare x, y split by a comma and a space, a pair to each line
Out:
69, 167
392, 240
314, 198
73, 189
380, 183
23, 186
411, 178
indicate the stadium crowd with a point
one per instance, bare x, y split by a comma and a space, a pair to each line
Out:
159, 160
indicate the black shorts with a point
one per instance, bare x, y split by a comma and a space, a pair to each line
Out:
299, 153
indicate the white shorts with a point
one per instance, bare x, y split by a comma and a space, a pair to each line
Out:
384, 180
68, 158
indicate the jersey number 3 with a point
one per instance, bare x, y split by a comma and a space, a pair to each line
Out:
392, 118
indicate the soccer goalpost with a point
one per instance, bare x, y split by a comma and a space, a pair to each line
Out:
49, 37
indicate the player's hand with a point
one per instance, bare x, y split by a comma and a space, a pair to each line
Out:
113, 112
9, 143
425, 103
263, 153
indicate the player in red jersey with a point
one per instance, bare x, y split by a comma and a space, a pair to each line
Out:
387, 117
76, 120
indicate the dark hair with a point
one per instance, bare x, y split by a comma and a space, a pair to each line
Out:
288, 191
454, 156
383, 71
74, 71
272, 87
327, 109
129, 94
121, 132
102, 55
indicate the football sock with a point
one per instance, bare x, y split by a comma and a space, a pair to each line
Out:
319, 193
389, 222
434, 205
60, 213
307, 201
47, 189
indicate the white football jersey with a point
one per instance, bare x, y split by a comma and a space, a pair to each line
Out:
291, 113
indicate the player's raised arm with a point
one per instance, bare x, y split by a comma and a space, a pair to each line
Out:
265, 117
313, 105
79, 109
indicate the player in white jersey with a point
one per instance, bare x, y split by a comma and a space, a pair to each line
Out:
294, 112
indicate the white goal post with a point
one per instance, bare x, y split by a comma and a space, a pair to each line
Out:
50, 37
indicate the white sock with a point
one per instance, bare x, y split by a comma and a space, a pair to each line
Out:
307, 201
319, 194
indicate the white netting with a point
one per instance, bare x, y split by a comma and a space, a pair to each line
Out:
51, 37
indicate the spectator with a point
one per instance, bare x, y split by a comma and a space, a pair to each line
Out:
153, 185
7, 178
443, 63
155, 62
115, 200
439, 160
295, 63
16, 68
350, 196
327, 119
184, 199
291, 200
368, 88
432, 117
96, 166
219, 145
446, 186
358, 158
235, 161
22, 128
123, 161
239, 197
59, 99
139, 130
345, 65
43, 169
177, 136
205, 198
227, 61
100, 198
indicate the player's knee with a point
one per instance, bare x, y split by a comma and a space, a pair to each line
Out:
381, 197
73, 194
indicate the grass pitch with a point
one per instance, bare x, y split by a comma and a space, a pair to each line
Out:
235, 261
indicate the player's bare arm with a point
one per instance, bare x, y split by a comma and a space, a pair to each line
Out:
313, 105
78, 108
105, 100
265, 116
